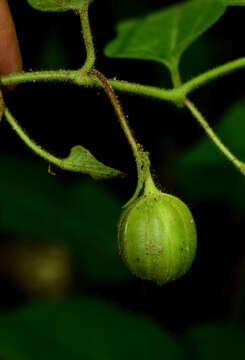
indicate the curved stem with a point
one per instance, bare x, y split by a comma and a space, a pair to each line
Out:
80, 78
79, 159
87, 36
209, 131
141, 157
173, 95
212, 74
34, 76
118, 109
28, 141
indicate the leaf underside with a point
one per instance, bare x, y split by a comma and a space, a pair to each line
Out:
81, 160
165, 34
55, 5
233, 2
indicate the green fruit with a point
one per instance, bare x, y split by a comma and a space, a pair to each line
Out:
157, 236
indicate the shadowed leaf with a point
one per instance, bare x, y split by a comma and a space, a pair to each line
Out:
55, 5
165, 34
81, 160
233, 2
83, 329
216, 341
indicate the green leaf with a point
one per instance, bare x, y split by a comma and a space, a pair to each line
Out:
83, 329
233, 2
221, 340
81, 215
165, 34
55, 5
81, 160
204, 165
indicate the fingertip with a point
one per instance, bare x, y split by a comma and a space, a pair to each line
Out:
10, 55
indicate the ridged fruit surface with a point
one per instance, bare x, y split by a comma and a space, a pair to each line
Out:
157, 237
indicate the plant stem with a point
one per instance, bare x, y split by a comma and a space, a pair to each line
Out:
35, 76
121, 117
141, 157
69, 163
176, 75
80, 78
213, 74
87, 37
28, 141
209, 131
172, 95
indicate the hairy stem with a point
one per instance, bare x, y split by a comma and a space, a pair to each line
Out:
175, 75
38, 76
28, 141
141, 157
175, 95
212, 75
87, 37
172, 95
82, 79
209, 131
121, 117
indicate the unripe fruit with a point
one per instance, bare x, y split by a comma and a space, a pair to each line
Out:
157, 236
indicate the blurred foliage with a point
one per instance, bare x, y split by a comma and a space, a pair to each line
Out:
38, 270
93, 329
205, 165
52, 55
54, 5
38, 205
223, 340
83, 329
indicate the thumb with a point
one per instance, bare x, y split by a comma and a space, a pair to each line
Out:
10, 57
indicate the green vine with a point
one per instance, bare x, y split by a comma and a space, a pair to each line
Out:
80, 78
88, 76
87, 37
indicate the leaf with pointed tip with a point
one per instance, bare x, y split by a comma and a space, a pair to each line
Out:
81, 160
165, 34
56, 5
